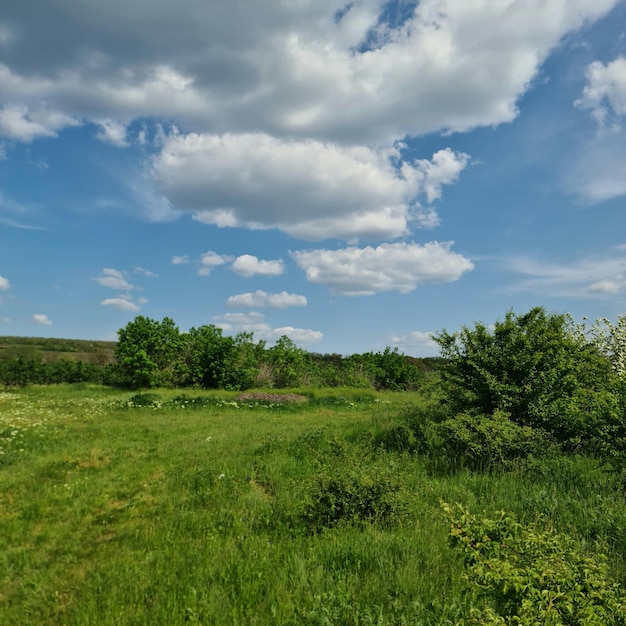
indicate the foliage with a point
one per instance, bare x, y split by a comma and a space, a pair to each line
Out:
481, 441
289, 363
535, 369
532, 577
352, 492
187, 511
147, 350
609, 337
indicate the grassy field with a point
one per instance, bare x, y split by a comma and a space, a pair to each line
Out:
201, 509
47, 349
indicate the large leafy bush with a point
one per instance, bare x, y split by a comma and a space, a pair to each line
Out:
521, 576
535, 369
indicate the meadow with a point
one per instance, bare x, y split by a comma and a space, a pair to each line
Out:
124, 508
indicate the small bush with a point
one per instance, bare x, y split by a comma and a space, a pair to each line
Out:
526, 577
481, 441
143, 399
402, 438
352, 495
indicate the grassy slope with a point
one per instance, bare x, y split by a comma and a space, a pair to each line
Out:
111, 514
98, 352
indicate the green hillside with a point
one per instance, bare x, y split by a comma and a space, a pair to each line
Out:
51, 349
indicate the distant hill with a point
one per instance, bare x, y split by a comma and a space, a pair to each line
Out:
48, 350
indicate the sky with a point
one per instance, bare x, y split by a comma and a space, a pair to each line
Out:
352, 175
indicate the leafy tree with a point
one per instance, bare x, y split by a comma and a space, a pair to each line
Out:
535, 369
147, 352
207, 356
243, 364
289, 363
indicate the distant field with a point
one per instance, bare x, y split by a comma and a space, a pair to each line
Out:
97, 352
162, 509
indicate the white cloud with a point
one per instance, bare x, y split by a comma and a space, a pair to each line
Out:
113, 132
4, 283
323, 69
17, 122
121, 303
398, 266
248, 265
255, 322
605, 91
180, 260
598, 172
209, 261
144, 272
308, 189
41, 320
299, 335
113, 279
261, 298
416, 343
598, 276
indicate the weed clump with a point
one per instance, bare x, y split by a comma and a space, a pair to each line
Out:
357, 495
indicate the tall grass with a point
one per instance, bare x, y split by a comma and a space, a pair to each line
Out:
171, 510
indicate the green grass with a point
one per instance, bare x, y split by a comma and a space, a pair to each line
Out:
49, 349
177, 510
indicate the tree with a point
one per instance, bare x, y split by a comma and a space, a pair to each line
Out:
208, 354
289, 363
147, 352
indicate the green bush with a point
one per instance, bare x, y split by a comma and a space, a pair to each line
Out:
344, 494
526, 577
480, 441
536, 369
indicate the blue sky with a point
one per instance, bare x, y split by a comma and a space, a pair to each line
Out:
353, 175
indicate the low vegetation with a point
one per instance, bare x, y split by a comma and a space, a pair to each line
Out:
491, 493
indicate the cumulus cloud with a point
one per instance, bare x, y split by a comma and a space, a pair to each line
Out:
17, 122
248, 265
297, 107
298, 335
598, 172
4, 283
180, 260
401, 267
261, 298
598, 276
416, 343
113, 132
122, 303
209, 261
605, 90
255, 322
113, 279
41, 320
309, 189
327, 69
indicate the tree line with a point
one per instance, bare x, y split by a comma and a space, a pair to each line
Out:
150, 353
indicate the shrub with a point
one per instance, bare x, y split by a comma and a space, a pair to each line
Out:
352, 494
479, 441
537, 370
526, 577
